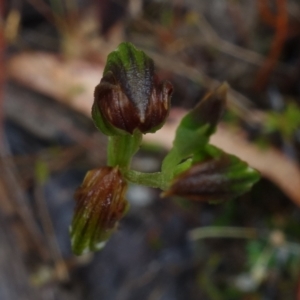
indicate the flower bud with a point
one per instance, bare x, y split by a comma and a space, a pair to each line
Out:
100, 204
130, 97
214, 180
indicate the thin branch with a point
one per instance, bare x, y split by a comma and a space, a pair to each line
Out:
60, 265
239, 103
277, 43
10, 178
2, 67
223, 232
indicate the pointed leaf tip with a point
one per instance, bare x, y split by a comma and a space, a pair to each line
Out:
197, 126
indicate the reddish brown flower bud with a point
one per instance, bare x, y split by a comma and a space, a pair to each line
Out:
100, 204
130, 96
216, 179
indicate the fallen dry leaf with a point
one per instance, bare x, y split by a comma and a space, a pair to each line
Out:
73, 83
69, 81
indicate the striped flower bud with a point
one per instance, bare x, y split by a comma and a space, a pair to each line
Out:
100, 204
130, 97
214, 180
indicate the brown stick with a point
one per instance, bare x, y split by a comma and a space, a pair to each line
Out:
2, 67
277, 43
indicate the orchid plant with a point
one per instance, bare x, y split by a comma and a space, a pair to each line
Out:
129, 102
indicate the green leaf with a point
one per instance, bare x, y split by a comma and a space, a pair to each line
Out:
196, 127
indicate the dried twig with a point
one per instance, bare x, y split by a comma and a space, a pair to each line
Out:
239, 103
208, 37
60, 266
2, 67
10, 178
278, 42
9, 173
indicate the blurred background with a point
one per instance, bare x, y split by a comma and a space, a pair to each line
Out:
52, 54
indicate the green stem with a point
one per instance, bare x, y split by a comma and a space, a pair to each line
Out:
155, 180
122, 148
